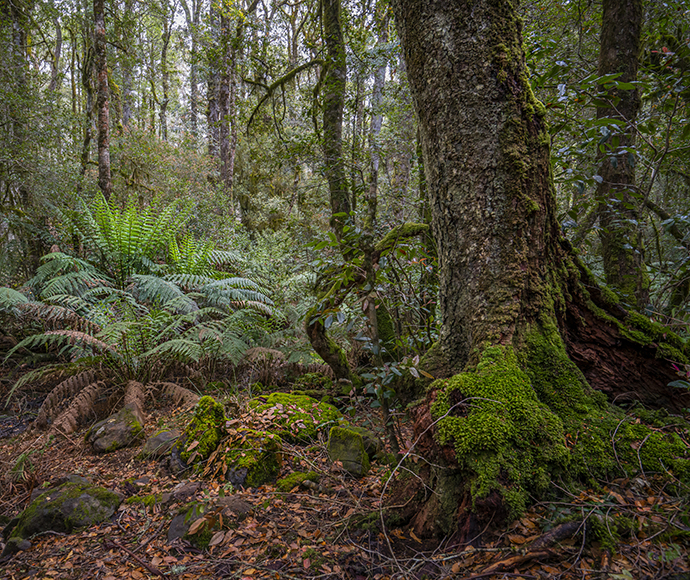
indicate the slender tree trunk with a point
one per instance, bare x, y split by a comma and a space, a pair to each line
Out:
104, 179
213, 83
227, 70
618, 210
55, 64
165, 77
333, 105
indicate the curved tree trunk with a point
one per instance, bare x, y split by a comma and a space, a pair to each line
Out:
515, 300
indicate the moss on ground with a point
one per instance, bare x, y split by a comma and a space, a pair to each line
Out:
297, 417
295, 479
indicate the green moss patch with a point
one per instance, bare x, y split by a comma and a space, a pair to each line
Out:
296, 479
204, 432
499, 430
518, 422
296, 417
252, 457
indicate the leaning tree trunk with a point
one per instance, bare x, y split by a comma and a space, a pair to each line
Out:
514, 299
618, 211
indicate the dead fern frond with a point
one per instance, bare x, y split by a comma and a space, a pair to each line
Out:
83, 407
57, 398
55, 317
135, 394
179, 395
77, 337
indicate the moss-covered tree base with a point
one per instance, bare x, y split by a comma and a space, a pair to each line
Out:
501, 432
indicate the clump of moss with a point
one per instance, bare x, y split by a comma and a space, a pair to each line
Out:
257, 452
499, 430
297, 417
205, 430
295, 479
145, 500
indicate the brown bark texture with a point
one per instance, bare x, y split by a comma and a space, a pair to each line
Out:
620, 234
103, 100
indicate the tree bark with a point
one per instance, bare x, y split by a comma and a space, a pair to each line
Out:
618, 211
518, 308
103, 100
333, 105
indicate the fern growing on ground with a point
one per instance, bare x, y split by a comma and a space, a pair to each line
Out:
126, 317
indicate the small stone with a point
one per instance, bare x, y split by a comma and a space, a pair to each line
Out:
160, 444
13, 546
182, 492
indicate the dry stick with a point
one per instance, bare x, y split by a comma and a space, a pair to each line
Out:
383, 491
149, 567
158, 530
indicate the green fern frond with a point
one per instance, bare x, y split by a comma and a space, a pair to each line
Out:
154, 290
10, 300
190, 281
75, 283
178, 350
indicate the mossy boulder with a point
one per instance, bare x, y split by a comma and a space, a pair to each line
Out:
67, 508
372, 443
204, 432
121, 429
296, 417
252, 457
347, 446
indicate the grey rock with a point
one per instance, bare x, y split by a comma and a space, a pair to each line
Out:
13, 546
179, 526
160, 444
184, 491
122, 429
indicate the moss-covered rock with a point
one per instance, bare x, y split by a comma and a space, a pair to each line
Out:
296, 417
121, 429
252, 457
347, 446
67, 508
296, 479
204, 432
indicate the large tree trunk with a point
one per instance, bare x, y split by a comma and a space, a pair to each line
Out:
618, 211
513, 295
103, 99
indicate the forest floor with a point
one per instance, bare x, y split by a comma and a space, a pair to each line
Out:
620, 529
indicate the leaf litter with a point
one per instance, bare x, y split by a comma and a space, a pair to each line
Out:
622, 529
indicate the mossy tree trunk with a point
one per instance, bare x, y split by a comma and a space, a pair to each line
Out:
618, 210
518, 308
103, 100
